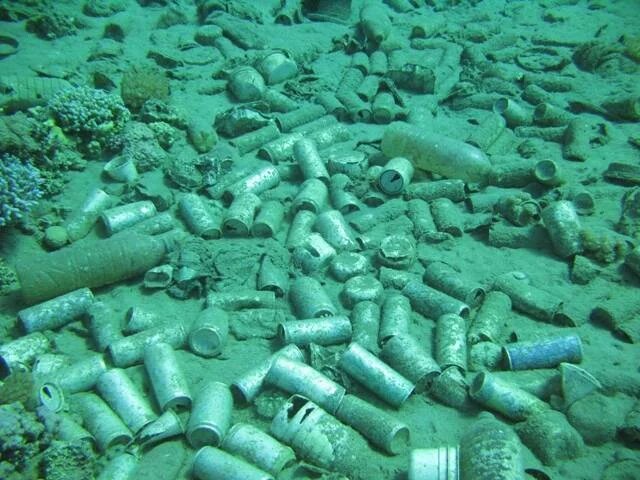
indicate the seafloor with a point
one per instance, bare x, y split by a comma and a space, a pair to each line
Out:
546, 92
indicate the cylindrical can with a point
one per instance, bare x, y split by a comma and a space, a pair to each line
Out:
167, 379
332, 105
82, 221
88, 265
361, 288
396, 251
239, 217
130, 350
403, 353
197, 217
632, 260
306, 155
255, 139
435, 153
246, 84
57, 312
80, 376
120, 467
268, 220
241, 298
447, 217
547, 353
368, 88
319, 438
353, 164
376, 375
375, 23
547, 172
376, 425
502, 234
309, 299
320, 331
396, 279
489, 321
335, 230
158, 277
455, 190
504, 397
563, 225
314, 254
125, 398
305, 114
209, 332
278, 101
104, 326
394, 318
418, 211
121, 169
280, 149
119, 218
445, 278
257, 182
487, 132
384, 109
527, 298
211, 463
451, 388
513, 112
365, 318
357, 109
18, 354
340, 194
360, 60
433, 303
51, 397
272, 278
395, 176
165, 426
509, 174
312, 196
139, 319
296, 377
548, 115
439, 463
346, 265
550, 437
490, 450
247, 387
257, 447
300, 228
103, 423
366, 220
378, 63
277, 67
210, 416
451, 341
161, 223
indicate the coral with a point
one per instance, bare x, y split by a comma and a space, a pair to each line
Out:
51, 26
632, 47
103, 8
158, 111
140, 84
8, 278
22, 437
69, 461
165, 134
20, 189
94, 116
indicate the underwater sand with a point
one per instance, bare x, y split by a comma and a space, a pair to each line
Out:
505, 28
